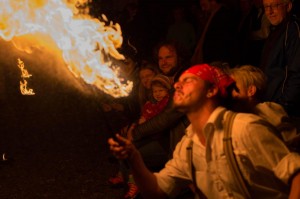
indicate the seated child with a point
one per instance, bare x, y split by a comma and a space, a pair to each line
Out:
160, 87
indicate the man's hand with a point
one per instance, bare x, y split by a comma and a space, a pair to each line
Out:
130, 130
127, 131
122, 148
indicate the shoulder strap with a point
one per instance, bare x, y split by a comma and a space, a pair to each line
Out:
232, 162
193, 171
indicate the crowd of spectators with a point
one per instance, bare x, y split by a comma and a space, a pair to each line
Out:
188, 60
259, 43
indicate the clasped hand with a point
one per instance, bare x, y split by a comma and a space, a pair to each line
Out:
121, 147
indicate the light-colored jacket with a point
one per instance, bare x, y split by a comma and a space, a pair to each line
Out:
277, 116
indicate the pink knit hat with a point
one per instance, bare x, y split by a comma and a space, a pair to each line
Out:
213, 75
164, 80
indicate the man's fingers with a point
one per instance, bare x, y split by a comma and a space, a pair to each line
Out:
132, 127
120, 147
112, 142
122, 140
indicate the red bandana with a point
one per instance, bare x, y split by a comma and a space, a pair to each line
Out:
212, 74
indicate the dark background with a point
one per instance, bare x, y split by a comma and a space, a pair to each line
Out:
56, 139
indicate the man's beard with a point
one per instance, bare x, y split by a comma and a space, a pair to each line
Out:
180, 108
183, 108
171, 72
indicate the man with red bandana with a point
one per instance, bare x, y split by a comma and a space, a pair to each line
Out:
267, 165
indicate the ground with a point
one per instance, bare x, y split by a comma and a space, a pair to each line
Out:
59, 151
57, 140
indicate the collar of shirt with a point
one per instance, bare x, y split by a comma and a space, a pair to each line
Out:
214, 122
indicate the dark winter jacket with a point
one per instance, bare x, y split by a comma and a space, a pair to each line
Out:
281, 64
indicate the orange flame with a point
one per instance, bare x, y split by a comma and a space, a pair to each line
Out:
84, 42
24, 74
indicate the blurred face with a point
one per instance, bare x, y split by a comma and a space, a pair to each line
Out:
241, 99
178, 14
245, 5
127, 65
276, 10
240, 92
190, 92
159, 92
167, 59
146, 76
205, 5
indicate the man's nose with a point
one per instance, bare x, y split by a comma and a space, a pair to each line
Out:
164, 61
269, 10
177, 85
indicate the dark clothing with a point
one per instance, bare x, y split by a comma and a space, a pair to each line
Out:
151, 109
170, 122
281, 64
117, 119
166, 129
217, 39
249, 49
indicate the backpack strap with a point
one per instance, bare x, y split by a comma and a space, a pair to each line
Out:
230, 156
198, 192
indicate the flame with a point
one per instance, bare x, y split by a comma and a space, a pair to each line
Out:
24, 90
84, 42
24, 74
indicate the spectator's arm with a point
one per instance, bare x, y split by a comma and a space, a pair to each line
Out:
166, 119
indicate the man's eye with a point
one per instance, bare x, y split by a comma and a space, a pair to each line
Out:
188, 80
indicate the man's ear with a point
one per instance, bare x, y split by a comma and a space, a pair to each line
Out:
251, 91
212, 91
